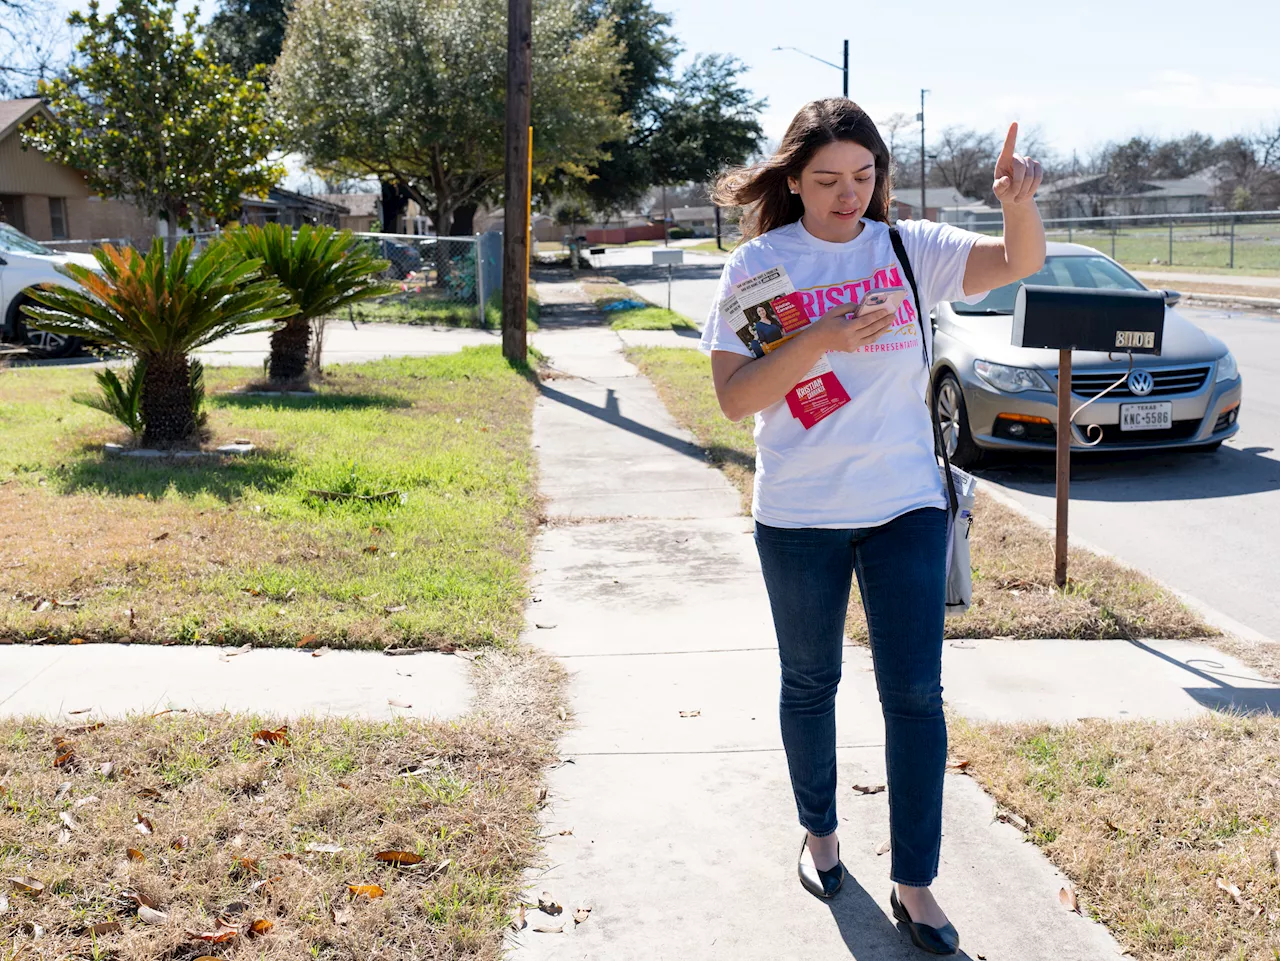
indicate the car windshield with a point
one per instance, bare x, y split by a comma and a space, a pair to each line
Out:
1098, 273
13, 241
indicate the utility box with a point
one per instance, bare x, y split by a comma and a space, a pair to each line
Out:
1084, 318
667, 257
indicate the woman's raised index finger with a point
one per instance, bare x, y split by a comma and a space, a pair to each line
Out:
1010, 141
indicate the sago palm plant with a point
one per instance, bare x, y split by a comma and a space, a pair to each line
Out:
161, 309
322, 269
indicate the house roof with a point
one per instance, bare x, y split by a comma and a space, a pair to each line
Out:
1198, 186
14, 112
693, 213
357, 204
933, 197
279, 197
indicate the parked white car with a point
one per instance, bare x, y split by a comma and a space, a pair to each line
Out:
24, 263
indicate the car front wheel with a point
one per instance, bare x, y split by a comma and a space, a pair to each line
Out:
41, 343
952, 417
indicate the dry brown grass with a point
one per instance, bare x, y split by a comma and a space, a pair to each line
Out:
601, 288
1014, 595
470, 813
1145, 818
1239, 290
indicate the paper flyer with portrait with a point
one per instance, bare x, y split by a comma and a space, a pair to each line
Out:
765, 311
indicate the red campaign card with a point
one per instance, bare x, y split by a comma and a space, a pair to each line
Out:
812, 400
790, 311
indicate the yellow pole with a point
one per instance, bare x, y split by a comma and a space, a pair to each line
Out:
528, 229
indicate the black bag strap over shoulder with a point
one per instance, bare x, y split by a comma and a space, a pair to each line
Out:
900, 251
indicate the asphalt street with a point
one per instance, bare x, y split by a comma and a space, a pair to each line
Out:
1206, 524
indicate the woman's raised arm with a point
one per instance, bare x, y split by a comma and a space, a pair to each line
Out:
996, 261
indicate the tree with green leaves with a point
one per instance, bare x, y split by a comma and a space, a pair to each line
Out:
161, 310
150, 117
413, 92
322, 269
246, 33
682, 128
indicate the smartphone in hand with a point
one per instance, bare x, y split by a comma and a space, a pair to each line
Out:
888, 298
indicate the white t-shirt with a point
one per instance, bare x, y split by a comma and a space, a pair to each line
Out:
871, 460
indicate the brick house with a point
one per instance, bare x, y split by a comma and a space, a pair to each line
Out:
49, 201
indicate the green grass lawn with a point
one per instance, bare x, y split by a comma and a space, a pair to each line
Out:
1197, 247
238, 549
1013, 589
418, 310
709, 247
649, 318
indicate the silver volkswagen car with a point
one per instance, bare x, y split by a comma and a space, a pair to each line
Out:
989, 395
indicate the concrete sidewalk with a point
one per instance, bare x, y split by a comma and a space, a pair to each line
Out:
683, 829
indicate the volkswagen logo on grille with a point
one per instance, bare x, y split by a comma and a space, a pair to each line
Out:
1141, 383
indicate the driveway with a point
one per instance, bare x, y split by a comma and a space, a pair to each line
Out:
1206, 524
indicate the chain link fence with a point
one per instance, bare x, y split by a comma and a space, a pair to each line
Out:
1244, 241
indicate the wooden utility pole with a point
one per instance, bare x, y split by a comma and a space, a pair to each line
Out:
1063, 467
516, 241
923, 181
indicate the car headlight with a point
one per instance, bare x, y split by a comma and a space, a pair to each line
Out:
1012, 380
1228, 369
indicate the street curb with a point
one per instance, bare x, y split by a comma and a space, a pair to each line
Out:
1226, 300
1216, 618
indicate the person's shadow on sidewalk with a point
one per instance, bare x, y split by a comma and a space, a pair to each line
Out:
867, 932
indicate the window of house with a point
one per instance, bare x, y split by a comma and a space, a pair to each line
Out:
58, 218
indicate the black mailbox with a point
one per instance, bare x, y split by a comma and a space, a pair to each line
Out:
1084, 318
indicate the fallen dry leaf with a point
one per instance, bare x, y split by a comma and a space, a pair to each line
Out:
314, 848
135, 855
103, 928
151, 916
341, 915
148, 794
242, 649
1008, 817
29, 885
74, 640
309, 639
278, 736
581, 915
4, 904
180, 842
142, 824
958, 764
548, 905
884, 847
66, 818
562, 713
396, 608
65, 760
690, 713
82, 802
372, 549
87, 729
320, 652
398, 857
1234, 890
868, 788
247, 865
366, 890
1275, 859
518, 923
261, 926
257, 886
396, 702
544, 927
1069, 900
213, 937
63, 790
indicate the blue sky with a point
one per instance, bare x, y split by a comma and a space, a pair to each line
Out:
1085, 72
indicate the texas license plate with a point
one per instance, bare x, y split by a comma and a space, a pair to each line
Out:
1146, 416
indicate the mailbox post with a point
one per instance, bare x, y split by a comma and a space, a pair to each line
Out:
1080, 318
668, 256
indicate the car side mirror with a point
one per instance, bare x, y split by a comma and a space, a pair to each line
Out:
1171, 298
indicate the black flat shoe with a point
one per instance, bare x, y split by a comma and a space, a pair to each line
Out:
821, 884
943, 940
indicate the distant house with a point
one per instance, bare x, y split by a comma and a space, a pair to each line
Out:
1101, 195
52, 202
362, 210
906, 202
282, 206
701, 220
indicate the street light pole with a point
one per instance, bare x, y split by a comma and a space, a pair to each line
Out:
516, 241
920, 117
844, 69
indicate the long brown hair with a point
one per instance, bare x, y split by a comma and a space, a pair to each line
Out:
762, 189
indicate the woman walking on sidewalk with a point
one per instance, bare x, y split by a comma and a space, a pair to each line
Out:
849, 484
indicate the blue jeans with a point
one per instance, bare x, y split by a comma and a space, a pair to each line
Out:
901, 570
